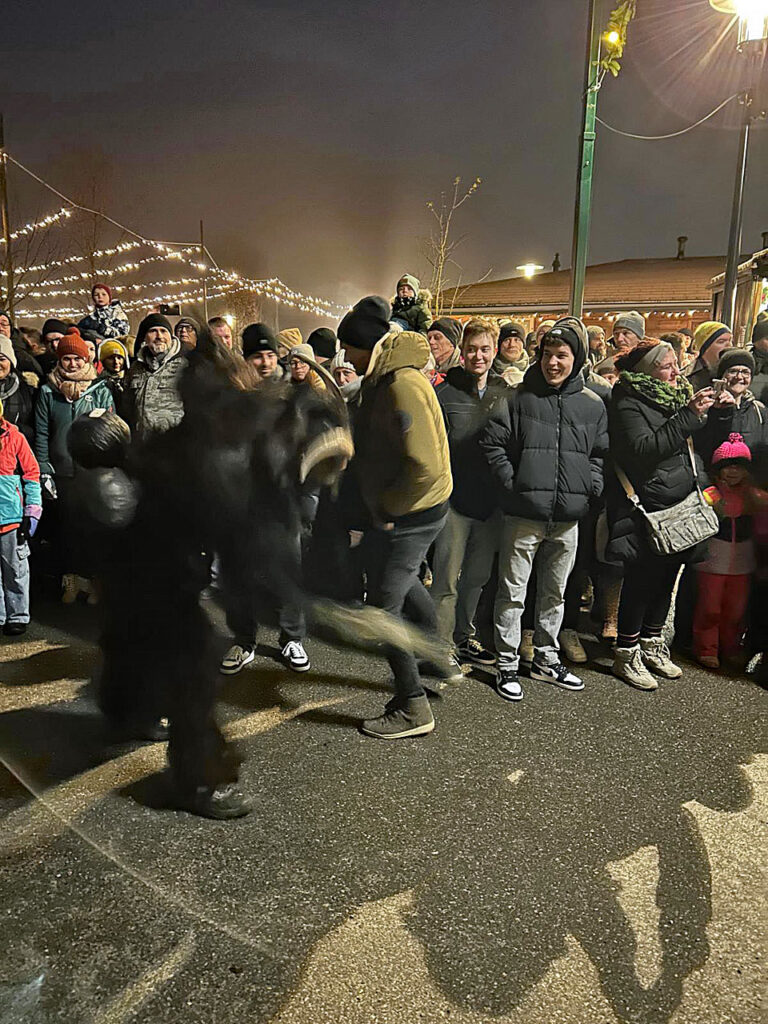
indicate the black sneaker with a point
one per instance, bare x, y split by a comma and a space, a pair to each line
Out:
558, 675
294, 656
474, 652
508, 685
222, 803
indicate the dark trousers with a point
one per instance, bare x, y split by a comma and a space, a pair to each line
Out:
646, 596
392, 561
244, 597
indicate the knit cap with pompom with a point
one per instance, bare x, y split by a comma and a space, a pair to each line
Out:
732, 450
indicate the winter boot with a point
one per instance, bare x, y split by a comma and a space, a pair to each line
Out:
69, 588
628, 665
656, 657
401, 718
526, 646
571, 646
610, 629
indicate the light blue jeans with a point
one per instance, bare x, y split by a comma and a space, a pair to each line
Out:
14, 577
553, 547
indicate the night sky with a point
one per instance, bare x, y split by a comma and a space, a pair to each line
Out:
309, 135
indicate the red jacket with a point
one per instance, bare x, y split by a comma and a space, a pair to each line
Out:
19, 477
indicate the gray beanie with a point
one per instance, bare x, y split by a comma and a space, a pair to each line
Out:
632, 321
6, 349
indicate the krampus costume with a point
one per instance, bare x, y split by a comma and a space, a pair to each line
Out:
226, 479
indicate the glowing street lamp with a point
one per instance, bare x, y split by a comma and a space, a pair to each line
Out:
529, 269
752, 15
752, 39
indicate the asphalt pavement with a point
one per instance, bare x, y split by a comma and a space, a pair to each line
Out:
577, 857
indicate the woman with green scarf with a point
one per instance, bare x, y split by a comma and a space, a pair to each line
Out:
652, 413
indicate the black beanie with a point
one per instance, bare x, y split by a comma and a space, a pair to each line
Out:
258, 338
735, 357
513, 329
323, 343
153, 320
54, 327
451, 328
365, 324
760, 330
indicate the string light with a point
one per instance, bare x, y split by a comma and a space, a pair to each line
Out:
46, 222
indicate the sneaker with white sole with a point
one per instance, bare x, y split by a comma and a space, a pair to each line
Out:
472, 650
571, 646
556, 674
629, 666
237, 657
402, 718
526, 646
295, 657
656, 658
508, 685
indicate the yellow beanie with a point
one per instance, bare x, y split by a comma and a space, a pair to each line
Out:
290, 337
112, 348
706, 333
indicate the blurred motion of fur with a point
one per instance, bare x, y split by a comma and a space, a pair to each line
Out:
227, 480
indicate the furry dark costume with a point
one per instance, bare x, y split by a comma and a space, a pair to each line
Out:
226, 479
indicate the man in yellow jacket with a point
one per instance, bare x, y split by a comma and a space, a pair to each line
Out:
403, 468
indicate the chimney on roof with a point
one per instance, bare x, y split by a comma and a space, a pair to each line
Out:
556, 262
764, 236
681, 240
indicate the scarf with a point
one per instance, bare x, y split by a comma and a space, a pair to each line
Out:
665, 396
72, 384
9, 386
153, 361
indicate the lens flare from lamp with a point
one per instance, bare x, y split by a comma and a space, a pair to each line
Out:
529, 269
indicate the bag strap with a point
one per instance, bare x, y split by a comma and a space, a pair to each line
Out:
630, 491
693, 466
628, 488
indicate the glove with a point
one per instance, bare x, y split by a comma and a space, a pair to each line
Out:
48, 485
26, 529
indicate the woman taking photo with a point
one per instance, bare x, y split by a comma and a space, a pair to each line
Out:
652, 414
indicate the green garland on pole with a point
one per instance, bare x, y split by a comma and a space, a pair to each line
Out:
615, 36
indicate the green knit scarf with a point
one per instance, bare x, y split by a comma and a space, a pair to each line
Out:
666, 396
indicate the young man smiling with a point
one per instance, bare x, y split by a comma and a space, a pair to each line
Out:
465, 549
545, 446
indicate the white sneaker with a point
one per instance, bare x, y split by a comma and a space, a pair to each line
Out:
556, 674
572, 647
526, 646
628, 665
295, 657
237, 657
656, 657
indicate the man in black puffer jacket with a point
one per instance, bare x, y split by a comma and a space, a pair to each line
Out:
465, 549
545, 446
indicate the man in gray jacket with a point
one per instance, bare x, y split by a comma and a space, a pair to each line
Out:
152, 400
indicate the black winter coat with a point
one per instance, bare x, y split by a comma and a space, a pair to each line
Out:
759, 386
19, 407
649, 444
750, 419
475, 491
700, 375
545, 447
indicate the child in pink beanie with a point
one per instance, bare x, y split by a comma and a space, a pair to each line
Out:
725, 578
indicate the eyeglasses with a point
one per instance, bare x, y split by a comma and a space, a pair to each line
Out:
733, 374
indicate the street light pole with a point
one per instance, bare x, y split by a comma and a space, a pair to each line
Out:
583, 210
752, 20
6, 223
737, 219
